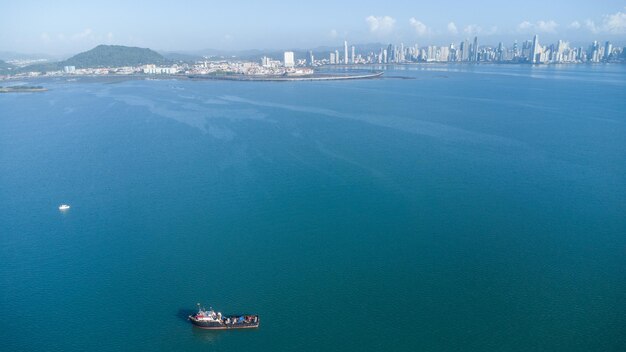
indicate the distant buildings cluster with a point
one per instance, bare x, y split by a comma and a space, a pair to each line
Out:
266, 67
155, 70
73, 71
530, 51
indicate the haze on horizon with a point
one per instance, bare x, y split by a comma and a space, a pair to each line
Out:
67, 27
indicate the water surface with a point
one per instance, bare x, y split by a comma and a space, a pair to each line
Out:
474, 208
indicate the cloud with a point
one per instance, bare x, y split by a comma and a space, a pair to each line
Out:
524, 26
546, 26
452, 28
87, 33
591, 26
615, 23
539, 26
472, 29
333, 33
420, 28
612, 24
380, 24
574, 25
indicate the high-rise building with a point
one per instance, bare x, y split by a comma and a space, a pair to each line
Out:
415, 52
443, 54
337, 57
466, 50
452, 51
289, 59
432, 53
345, 52
463, 55
594, 52
559, 51
500, 52
534, 50
475, 50
608, 48
311, 61
353, 57
332, 58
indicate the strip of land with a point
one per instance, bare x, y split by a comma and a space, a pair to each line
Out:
22, 89
316, 77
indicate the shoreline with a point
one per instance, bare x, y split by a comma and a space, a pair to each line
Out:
18, 89
285, 78
183, 77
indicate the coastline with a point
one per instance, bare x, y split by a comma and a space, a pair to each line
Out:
315, 77
19, 89
243, 78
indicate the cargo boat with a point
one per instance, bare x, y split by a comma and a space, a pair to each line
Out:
212, 320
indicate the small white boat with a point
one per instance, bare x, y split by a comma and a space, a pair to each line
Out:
64, 207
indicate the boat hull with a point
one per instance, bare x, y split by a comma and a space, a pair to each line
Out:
214, 325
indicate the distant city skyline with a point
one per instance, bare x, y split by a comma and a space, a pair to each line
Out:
531, 51
65, 27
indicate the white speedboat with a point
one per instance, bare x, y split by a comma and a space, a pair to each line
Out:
64, 207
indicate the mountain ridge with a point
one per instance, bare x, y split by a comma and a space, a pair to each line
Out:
104, 56
114, 56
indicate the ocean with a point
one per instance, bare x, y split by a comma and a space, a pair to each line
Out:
441, 208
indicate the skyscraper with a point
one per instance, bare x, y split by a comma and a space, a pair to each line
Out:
500, 52
466, 50
311, 58
345, 52
463, 55
453, 52
608, 47
289, 60
353, 55
534, 50
475, 50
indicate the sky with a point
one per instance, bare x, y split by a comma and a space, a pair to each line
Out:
66, 27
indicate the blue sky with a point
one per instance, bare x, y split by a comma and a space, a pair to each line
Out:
66, 27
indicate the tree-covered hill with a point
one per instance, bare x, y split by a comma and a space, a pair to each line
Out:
114, 56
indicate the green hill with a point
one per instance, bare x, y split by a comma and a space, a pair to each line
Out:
114, 56
103, 56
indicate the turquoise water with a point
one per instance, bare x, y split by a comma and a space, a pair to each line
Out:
467, 209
